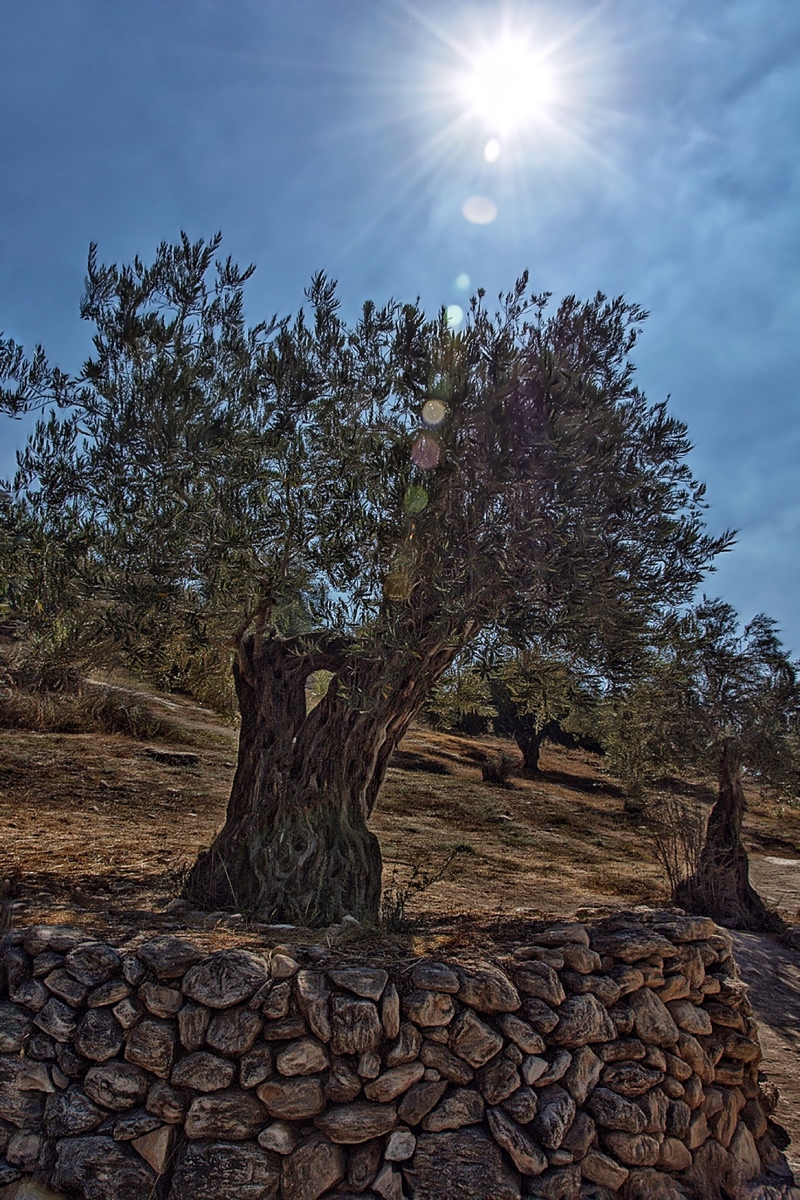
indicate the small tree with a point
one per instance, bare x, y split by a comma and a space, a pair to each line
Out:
363, 499
721, 700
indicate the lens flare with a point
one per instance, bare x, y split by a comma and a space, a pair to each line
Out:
433, 412
491, 151
462, 281
415, 500
454, 315
425, 452
479, 210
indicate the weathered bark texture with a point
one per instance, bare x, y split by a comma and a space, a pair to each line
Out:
721, 885
295, 846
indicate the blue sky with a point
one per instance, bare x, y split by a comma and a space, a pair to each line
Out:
662, 162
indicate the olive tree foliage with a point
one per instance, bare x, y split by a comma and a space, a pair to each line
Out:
722, 701
360, 497
532, 694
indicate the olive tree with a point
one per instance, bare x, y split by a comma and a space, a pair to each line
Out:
361, 497
724, 701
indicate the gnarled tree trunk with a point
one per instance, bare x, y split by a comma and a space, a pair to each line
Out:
295, 846
721, 885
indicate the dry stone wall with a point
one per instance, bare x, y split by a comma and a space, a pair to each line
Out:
619, 1059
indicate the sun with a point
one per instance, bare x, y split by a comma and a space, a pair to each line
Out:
508, 85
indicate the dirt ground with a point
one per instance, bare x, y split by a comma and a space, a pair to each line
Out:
96, 831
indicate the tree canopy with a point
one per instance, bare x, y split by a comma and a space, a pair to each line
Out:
362, 496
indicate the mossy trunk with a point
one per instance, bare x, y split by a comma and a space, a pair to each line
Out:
295, 846
720, 887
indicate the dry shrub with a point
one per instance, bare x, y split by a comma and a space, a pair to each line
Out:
496, 768
677, 830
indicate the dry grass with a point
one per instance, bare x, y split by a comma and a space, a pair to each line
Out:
90, 824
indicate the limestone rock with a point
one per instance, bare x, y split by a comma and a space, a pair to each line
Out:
632, 1149
279, 1136
69, 1113
134, 1124
487, 989
474, 1040
632, 943
440, 1059
204, 1072
522, 1105
155, 1148
166, 1102
15, 1029
92, 963
534, 1068
419, 1100
41, 939
522, 1034
305, 1057
498, 1079
429, 1008
313, 1168
233, 1031
630, 1078
555, 1115
582, 1074
161, 1001
690, 1050
275, 1000
582, 1019
343, 1084
295, 1099
540, 981
390, 1011
394, 1082
462, 1106
313, 994
66, 987
354, 1123
169, 957
539, 1015
471, 1162
231, 1115
56, 1019
117, 1085
690, 1017
106, 994
224, 1170
580, 1136
527, 1156
644, 1183
367, 982
282, 966
151, 1044
615, 1112
388, 1183
99, 1035
674, 1155
435, 977
599, 1168
227, 978
98, 1168
287, 1029
23, 1109
559, 1183
559, 933
193, 1022
557, 1067
355, 1025
128, 1012
407, 1047
400, 1145
363, 1163
652, 1020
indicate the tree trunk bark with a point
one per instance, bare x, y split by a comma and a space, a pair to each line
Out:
720, 887
295, 846
529, 739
